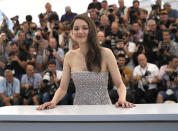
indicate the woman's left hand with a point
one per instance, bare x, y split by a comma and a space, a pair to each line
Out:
124, 104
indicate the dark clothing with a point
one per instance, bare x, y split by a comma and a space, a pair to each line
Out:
151, 46
14, 65
145, 97
94, 6
68, 18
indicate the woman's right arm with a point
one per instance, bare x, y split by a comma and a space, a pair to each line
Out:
61, 91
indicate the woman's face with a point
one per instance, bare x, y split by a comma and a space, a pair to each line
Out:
80, 31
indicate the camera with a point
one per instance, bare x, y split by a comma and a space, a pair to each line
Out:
97, 22
51, 53
28, 92
47, 76
170, 76
143, 80
5, 41
132, 32
66, 33
164, 47
41, 16
56, 26
48, 86
154, 7
132, 10
28, 18
111, 9
151, 35
174, 28
38, 37
15, 20
121, 21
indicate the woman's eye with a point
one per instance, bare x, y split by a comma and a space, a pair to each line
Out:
85, 28
76, 28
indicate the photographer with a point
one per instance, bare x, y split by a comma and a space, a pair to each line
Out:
53, 53
94, 5
133, 12
168, 77
102, 40
145, 81
166, 48
129, 48
30, 84
69, 15
65, 39
94, 15
51, 80
150, 40
135, 33
114, 35
104, 9
4, 27
105, 25
9, 89
172, 13
155, 11
34, 58
126, 74
32, 25
174, 32
29, 34
4, 50
39, 42
23, 43
16, 61
122, 10
15, 21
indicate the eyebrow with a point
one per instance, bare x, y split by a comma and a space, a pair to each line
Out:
81, 25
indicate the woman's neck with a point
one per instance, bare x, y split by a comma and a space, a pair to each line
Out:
83, 48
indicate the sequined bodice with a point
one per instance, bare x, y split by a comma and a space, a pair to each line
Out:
91, 88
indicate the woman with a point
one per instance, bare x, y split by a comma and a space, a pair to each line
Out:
89, 66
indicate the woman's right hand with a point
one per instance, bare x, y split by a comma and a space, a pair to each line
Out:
47, 105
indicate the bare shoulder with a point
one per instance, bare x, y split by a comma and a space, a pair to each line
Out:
106, 52
70, 54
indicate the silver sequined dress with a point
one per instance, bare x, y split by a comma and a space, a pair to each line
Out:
91, 88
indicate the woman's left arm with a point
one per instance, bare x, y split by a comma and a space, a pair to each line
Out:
117, 80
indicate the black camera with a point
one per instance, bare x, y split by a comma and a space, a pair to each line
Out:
164, 47
144, 82
38, 37
27, 92
154, 7
170, 76
41, 16
132, 10
151, 35
56, 26
66, 33
97, 22
5, 41
28, 18
51, 53
111, 9
132, 32
174, 28
121, 21
50, 49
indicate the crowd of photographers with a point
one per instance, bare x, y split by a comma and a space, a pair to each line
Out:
145, 46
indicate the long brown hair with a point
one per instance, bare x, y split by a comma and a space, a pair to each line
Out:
93, 56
